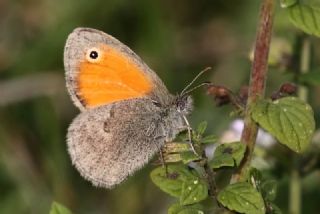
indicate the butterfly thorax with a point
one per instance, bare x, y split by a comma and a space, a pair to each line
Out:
173, 116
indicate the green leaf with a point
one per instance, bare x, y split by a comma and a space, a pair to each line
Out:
193, 191
57, 208
219, 161
202, 127
311, 78
190, 209
269, 190
288, 119
172, 158
171, 181
189, 156
306, 18
243, 198
228, 154
288, 3
209, 139
173, 147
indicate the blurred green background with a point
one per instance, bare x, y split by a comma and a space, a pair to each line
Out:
175, 38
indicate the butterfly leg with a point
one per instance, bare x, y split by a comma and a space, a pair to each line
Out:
189, 129
158, 135
163, 163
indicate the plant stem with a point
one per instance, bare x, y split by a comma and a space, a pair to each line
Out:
257, 83
304, 67
295, 192
210, 180
295, 180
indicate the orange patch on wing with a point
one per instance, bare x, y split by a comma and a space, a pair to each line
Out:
113, 77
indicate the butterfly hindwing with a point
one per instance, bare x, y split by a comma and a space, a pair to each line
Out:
109, 143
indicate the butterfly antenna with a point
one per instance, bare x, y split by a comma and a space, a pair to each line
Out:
196, 87
194, 79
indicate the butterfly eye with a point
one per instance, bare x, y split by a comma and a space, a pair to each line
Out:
93, 55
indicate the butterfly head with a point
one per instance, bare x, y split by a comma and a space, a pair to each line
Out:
183, 104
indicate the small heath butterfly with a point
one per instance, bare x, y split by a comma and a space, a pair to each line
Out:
127, 113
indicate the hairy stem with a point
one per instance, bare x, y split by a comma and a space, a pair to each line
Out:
257, 83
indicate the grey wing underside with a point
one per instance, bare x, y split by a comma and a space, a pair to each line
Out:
109, 143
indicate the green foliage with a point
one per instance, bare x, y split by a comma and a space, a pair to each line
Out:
305, 17
242, 197
228, 154
178, 181
188, 156
57, 208
183, 152
193, 191
310, 78
288, 3
190, 209
289, 119
202, 127
171, 179
198, 135
269, 190
209, 139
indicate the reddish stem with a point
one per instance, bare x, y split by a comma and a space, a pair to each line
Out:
257, 83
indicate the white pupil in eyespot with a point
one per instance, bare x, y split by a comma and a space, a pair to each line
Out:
93, 55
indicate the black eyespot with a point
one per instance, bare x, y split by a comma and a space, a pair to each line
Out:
93, 55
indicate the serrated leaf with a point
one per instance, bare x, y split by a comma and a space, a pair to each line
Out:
190, 209
243, 198
193, 191
228, 154
288, 119
221, 161
306, 18
269, 189
202, 127
311, 78
57, 208
288, 3
187, 157
172, 179
209, 139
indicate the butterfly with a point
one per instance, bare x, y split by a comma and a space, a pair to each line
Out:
126, 112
